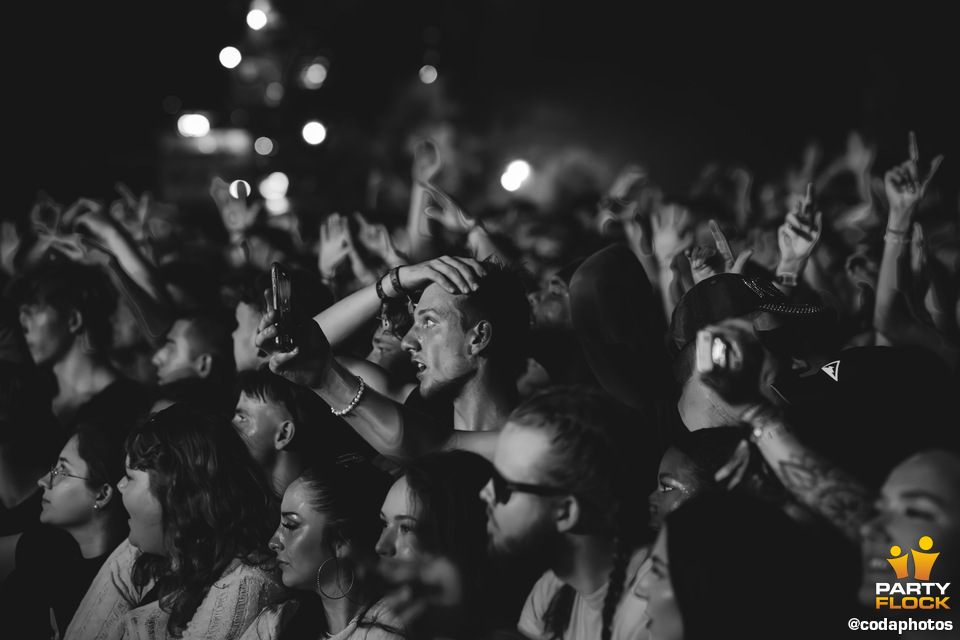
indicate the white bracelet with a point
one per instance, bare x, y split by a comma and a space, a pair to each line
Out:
353, 403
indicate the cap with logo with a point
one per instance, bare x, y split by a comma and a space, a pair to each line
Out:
732, 295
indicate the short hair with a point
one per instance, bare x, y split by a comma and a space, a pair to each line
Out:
66, 286
320, 436
216, 501
210, 331
501, 299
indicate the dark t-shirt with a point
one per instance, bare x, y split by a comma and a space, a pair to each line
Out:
50, 573
21, 517
123, 403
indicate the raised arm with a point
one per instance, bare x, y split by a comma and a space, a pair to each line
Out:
813, 479
395, 430
426, 164
798, 236
893, 319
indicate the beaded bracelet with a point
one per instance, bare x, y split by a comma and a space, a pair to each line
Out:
353, 403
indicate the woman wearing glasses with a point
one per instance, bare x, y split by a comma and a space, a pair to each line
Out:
82, 522
196, 562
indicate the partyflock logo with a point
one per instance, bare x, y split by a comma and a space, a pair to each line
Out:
920, 594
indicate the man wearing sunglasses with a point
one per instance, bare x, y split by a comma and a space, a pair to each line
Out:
560, 496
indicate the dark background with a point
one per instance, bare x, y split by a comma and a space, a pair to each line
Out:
671, 88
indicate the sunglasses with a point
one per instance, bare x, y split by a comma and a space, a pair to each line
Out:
503, 489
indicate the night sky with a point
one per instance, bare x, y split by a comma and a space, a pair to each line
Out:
670, 88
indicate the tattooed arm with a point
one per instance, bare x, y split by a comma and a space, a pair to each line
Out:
813, 479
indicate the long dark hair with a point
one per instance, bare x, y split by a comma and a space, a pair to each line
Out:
349, 495
453, 518
217, 505
589, 445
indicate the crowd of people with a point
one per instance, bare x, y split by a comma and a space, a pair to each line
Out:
722, 412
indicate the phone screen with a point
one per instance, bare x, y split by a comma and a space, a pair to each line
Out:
283, 303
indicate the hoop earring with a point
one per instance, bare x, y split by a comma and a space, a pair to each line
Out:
343, 594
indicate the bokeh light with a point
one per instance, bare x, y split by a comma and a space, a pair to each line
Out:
264, 146
515, 174
230, 57
256, 19
274, 185
193, 125
314, 132
428, 73
239, 189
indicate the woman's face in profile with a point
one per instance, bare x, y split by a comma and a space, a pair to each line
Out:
921, 498
301, 543
400, 516
676, 483
662, 609
146, 513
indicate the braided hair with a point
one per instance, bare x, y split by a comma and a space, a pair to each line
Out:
590, 444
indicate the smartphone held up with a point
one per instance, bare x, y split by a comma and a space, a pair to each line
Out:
728, 366
283, 303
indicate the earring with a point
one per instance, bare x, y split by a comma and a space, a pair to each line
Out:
95, 506
343, 593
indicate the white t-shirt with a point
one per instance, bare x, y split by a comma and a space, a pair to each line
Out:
586, 619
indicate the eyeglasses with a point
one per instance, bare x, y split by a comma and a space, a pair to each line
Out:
58, 470
503, 488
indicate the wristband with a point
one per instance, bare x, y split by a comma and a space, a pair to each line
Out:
380, 293
395, 281
898, 237
787, 279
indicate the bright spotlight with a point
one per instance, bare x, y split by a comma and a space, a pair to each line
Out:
230, 57
519, 168
256, 19
193, 125
314, 132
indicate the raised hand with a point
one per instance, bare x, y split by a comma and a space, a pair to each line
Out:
799, 234
45, 215
731, 263
455, 274
905, 186
426, 160
336, 244
704, 262
306, 363
377, 240
670, 226
237, 214
449, 212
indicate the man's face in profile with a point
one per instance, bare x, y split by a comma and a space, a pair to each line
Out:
438, 344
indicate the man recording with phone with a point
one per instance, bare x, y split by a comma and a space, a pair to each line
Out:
471, 321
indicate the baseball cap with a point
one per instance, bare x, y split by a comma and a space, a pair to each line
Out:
731, 295
872, 406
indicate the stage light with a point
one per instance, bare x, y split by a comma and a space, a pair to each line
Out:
274, 94
313, 75
263, 146
193, 125
274, 185
230, 57
277, 206
428, 73
239, 188
515, 174
256, 19
520, 168
314, 132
